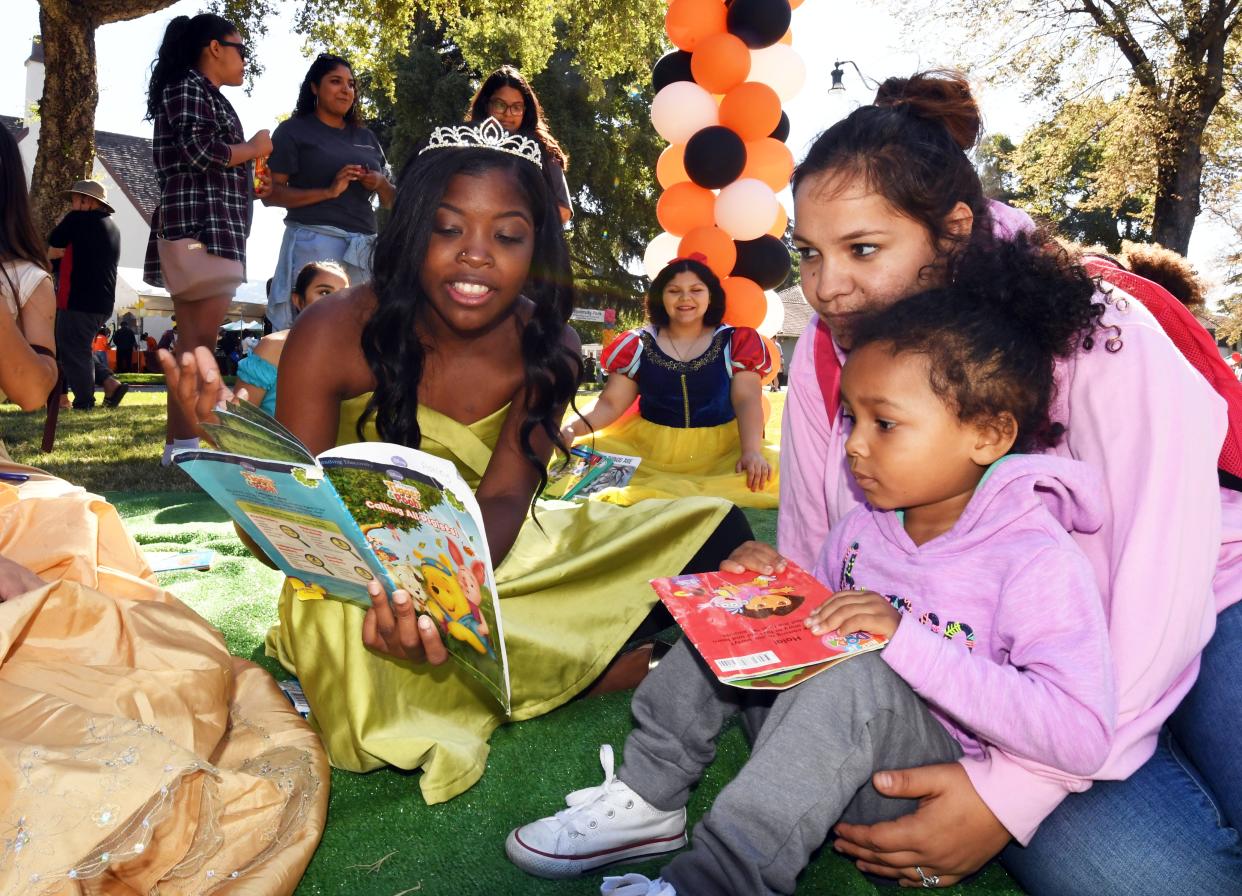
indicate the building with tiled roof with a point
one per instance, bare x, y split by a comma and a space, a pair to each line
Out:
123, 164
798, 315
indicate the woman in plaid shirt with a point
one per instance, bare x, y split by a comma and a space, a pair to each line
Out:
203, 164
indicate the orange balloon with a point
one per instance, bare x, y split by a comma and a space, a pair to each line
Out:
689, 21
720, 63
671, 166
781, 224
713, 242
794, 4
775, 354
788, 37
770, 161
685, 206
752, 110
745, 303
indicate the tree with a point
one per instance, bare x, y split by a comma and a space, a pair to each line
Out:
599, 113
608, 38
70, 94
1087, 170
1180, 59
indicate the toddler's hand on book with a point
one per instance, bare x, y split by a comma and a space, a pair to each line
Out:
855, 611
754, 556
395, 629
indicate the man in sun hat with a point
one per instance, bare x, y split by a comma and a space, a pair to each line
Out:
88, 245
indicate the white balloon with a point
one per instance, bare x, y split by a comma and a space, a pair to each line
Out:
780, 67
746, 209
774, 318
660, 251
682, 109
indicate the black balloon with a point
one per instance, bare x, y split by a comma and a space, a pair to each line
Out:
765, 260
670, 67
782, 130
759, 23
715, 156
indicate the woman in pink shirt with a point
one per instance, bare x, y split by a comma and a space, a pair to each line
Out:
882, 199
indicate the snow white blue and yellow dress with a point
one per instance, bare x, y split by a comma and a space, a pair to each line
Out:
685, 430
572, 590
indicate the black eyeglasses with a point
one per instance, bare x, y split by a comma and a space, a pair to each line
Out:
241, 48
499, 107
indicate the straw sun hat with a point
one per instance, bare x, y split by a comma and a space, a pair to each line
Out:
92, 188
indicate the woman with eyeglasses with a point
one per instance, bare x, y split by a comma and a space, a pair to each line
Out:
204, 167
327, 169
507, 97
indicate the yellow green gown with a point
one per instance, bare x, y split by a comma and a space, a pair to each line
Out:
571, 595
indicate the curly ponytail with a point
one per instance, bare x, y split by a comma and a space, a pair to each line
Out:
993, 334
184, 39
910, 146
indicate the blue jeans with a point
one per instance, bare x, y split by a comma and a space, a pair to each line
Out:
299, 247
1172, 826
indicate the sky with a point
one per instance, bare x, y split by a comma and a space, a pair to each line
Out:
824, 31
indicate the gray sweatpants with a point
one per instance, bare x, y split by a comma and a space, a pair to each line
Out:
816, 748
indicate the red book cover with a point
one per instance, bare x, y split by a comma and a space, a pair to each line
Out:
751, 629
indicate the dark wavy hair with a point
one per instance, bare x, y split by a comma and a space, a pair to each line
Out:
533, 122
910, 146
19, 241
396, 355
658, 314
324, 63
183, 42
307, 275
993, 333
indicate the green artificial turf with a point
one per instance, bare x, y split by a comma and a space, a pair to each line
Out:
381, 838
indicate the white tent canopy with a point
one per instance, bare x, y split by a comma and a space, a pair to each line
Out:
238, 325
250, 301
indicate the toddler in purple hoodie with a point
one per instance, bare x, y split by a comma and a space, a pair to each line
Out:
961, 556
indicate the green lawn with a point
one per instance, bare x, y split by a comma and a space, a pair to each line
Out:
381, 840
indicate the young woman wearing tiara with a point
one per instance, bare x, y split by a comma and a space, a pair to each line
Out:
471, 286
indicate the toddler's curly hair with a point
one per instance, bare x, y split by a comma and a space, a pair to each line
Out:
993, 333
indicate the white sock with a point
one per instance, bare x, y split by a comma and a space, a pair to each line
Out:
177, 445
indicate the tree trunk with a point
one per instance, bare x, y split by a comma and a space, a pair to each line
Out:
67, 110
1179, 178
70, 95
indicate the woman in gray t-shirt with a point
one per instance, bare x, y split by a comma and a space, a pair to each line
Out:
506, 97
326, 170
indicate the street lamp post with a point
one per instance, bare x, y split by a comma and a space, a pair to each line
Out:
838, 76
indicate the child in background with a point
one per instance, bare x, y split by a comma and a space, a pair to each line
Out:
256, 374
961, 557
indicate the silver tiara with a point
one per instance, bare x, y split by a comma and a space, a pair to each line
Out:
489, 135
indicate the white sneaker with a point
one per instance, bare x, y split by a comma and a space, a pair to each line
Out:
603, 825
635, 885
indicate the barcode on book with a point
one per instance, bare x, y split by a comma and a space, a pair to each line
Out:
752, 661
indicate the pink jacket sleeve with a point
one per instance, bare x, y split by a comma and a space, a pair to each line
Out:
1153, 427
1053, 700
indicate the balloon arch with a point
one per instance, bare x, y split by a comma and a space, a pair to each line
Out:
718, 104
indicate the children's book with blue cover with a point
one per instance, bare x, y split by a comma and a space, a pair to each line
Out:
359, 513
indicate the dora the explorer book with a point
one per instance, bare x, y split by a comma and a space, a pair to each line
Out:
358, 513
750, 629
